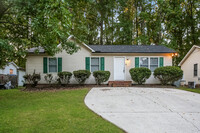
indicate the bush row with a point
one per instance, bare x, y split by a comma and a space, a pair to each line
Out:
64, 77
167, 74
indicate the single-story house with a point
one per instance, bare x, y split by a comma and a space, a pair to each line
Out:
118, 59
190, 65
12, 69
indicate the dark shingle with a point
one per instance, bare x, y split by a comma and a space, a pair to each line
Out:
131, 49
33, 50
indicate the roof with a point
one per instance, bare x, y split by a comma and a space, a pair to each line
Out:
32, 50
41, 50
131, 49
188, 54
13, 64
116, 48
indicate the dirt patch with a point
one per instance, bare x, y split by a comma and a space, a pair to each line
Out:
105, 89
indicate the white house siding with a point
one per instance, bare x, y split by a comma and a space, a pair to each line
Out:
76, 61
70, 63
109, 63
188, 67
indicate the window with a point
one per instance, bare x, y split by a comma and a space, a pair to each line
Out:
52, 64
144, 62
94, 64
149, 62
153, 63
195, 69
11, 71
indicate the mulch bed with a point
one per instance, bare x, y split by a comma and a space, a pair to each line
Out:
46, 87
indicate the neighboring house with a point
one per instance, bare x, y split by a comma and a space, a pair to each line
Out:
191, 65
118, 59
12, 69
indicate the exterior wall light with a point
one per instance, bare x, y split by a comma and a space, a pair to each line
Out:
174, 54
127, 62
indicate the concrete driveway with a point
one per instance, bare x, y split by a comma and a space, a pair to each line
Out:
147, 110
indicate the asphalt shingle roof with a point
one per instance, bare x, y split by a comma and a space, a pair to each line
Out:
32, 50
131, 49
121, 49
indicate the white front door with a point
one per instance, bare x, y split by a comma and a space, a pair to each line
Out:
119, 68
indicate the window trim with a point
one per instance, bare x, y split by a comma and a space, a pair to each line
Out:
149, 60
91, 63
154, 64
56, 64
195, 70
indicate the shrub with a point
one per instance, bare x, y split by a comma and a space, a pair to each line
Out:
101, 76
13, 79
48, 78
4, 79
81, 76
27, 78
32, 79
64, 77
140, 75
168, 74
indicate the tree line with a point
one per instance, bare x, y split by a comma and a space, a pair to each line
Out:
47, 23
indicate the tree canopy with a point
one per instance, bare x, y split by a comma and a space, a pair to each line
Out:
47, 23
33, 23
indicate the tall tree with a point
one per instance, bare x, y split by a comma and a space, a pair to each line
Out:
26, 24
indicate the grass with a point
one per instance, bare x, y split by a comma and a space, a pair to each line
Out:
58, 111
196, 90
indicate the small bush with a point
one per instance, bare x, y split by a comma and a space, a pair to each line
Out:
140, 75
101, 76
48, 78
32, 79
64, 77
81, 75
4, 79
14, 80
168, 74
27, 78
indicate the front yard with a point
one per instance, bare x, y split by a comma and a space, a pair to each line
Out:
196, 90
49, 111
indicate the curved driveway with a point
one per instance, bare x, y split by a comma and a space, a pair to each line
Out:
147, 110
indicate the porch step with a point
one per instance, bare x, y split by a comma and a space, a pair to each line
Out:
119, 83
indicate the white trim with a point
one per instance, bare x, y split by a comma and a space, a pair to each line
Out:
114, 67
99, 62
48, 64
188, 54
13, 64
72, 36
149, 60
91, 63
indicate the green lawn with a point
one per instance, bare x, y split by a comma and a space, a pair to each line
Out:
196, 90
58, 111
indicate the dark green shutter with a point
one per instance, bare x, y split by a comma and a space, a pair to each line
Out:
136, 62
161, 61
102, 64
45, 65
59, 64
87, 63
